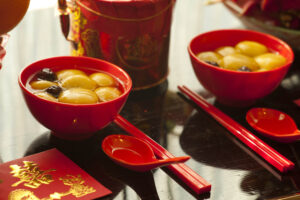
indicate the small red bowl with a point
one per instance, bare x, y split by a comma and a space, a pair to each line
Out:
235, 88
74, 121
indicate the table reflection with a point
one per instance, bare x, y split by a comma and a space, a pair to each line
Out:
90, 157
163, 114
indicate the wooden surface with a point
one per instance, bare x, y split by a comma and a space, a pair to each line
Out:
177, 124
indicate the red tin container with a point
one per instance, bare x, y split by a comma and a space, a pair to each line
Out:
133, 34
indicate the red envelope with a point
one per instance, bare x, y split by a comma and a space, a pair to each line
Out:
47, 175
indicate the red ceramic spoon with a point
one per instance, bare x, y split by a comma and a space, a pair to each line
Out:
273, 124
135, 154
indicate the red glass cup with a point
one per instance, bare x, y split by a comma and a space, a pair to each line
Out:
131, 34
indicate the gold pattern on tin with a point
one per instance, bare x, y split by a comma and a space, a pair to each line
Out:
90, 39
138, 53
78, 23
77, 189
31, 175
126, 19
79, 51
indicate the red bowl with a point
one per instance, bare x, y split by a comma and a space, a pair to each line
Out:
237, 88
74, 121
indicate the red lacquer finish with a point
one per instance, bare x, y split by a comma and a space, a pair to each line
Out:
74, 121
257, 145
274, 124
191, 179
133, 34
135, 154
236, 88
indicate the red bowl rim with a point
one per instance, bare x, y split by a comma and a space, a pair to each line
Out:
123, 95
284, 44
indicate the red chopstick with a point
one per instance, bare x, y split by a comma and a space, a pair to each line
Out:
297, 102
193, 180
253, 142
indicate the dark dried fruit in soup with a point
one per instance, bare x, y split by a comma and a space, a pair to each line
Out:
54, 90
212, 63
46, 74
244, 69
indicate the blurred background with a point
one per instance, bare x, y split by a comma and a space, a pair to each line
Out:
39, 36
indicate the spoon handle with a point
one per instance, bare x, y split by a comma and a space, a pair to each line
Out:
175, 160
186, 174
257, 145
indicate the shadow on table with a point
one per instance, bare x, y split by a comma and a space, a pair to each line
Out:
264, 185
152, 111
216, 140
211, 144
89, 155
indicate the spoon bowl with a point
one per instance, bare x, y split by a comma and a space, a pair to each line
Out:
134, 153
273, 124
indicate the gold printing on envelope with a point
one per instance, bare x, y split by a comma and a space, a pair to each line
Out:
77, 186
77, 189
31, 175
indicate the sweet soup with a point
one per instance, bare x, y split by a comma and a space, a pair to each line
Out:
74, 86
249, 56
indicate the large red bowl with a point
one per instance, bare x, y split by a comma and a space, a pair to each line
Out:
237, 88
74, 121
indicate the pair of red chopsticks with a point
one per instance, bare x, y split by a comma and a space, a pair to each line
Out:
187, 175
253, 142
193, 180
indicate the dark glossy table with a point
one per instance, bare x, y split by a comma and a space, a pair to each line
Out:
235, 172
